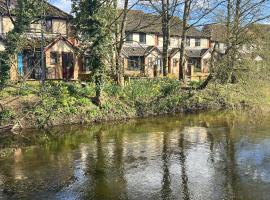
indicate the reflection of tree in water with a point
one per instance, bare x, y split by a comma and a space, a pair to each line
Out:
230, 174
211, 141
166, 181
107, 172
119, 165
186, 193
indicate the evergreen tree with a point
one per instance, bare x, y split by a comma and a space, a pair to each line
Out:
92, 21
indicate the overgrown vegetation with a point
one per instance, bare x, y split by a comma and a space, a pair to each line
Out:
69, 103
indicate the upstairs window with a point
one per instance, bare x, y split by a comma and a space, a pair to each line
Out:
54, 58
48, 26
142, 38
197, 42
129, 37
188, 42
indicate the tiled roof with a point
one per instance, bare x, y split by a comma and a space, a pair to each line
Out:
134, 51
139, 51
51, 10
217, 32
173, 51
195, 53
138, 21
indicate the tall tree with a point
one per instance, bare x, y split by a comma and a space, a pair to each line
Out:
197, 13
119, 32
240, 15
93, 19
185, 18
166, 9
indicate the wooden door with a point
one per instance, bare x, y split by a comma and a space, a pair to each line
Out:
67, 66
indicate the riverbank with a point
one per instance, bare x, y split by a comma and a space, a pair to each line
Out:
28, 105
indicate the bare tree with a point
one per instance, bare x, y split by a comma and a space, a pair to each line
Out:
241, 15
197, 13
166, 9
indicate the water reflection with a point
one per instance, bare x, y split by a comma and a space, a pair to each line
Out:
204, 156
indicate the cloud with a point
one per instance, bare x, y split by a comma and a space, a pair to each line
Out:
62, 4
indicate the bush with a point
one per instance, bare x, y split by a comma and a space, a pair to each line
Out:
6, 116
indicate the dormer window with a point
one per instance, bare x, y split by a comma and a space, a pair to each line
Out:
142, 38
129, 37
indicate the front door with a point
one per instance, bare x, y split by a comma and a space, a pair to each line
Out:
189, 68
67, 66
20, 63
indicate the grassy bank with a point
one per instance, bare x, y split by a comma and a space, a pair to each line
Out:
58, 103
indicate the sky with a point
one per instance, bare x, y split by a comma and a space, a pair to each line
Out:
62, 4
66, 6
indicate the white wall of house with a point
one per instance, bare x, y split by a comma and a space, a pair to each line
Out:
6, 25
175, 41
220, 46
59, 26
2, 46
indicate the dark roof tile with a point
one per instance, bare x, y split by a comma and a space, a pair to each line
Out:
217, 32
196, 53
138, 21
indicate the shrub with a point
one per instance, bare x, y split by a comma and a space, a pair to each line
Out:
6, 115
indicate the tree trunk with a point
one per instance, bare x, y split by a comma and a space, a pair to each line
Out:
166, 35
120, 37
183, 39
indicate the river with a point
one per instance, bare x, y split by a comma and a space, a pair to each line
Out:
198, 156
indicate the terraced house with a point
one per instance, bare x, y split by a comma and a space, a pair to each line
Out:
59, 47
142, 50
143, 47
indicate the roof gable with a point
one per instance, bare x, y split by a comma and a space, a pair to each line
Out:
60, 44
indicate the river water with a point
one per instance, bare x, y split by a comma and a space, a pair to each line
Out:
199, 156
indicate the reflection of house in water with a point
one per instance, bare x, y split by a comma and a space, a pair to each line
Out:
196, 134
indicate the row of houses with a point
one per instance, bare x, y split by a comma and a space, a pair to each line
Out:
142, 51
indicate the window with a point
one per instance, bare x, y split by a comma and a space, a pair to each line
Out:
86, 67
188, 42
175, 62
54, 58
129, 37
142, 38
135, 63
47, 26
197, 42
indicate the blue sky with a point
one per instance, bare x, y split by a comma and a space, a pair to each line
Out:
66, 6
62, 4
